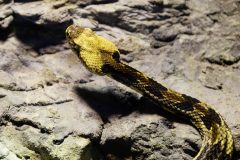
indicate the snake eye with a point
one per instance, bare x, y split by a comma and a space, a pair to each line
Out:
116, 56
67, 34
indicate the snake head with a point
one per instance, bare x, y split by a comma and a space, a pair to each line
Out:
94, 51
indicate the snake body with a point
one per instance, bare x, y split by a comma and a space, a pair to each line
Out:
102, 57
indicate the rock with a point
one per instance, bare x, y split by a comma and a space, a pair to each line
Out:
223, 52
205, 6
84, 3
53, 108
6, 154
31, 129
174, 3
6, 19
166, 34
44, 18
213, 78
143, 19
41, 12
222, 58
107, 14
142, 135
5, 14
147, 142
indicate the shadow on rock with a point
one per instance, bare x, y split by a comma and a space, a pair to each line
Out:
113, 101
39, 36
110, 102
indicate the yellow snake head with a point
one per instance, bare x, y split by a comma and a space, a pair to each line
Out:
93, 50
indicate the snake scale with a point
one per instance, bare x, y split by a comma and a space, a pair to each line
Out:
102, 57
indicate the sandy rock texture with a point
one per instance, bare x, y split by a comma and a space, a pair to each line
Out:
52, 108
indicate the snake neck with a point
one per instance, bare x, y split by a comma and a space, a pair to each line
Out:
170, 100
217, 138
132, 78
137, 81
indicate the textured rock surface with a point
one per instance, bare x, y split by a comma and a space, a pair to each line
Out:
52, 108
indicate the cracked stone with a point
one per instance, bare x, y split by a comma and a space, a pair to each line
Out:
166, 34
5, 16
204, 6
6, 154
57, 107
175, 3
223, 52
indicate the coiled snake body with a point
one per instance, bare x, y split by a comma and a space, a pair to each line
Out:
101, 56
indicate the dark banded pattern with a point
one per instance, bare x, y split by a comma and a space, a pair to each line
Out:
101, 56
